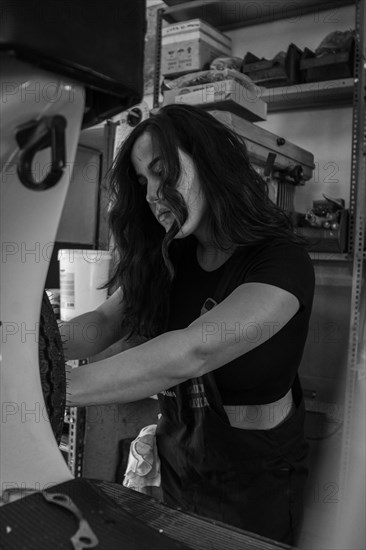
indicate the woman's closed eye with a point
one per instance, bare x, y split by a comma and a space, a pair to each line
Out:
158, 173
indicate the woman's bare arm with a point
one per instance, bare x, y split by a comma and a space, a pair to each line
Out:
214, 339
92, 332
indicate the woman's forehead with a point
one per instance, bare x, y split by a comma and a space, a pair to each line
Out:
149, 142
143, 149
152, 145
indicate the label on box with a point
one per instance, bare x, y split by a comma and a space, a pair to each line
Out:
191, 55
218, 91
67, 289
202, 95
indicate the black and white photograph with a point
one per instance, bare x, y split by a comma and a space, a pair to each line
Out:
182, 275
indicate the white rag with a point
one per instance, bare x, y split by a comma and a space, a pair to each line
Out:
143, 467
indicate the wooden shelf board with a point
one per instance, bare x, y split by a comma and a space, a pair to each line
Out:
330, 256
333, 256
311, 94
232, 14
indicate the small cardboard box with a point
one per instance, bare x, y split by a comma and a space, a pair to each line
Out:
279, 71
191, 46
326, 240
327, 67
226, 95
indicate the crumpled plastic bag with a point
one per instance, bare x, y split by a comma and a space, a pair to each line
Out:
221, 63
336, 41
206, 77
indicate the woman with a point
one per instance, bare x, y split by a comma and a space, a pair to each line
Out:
211, 273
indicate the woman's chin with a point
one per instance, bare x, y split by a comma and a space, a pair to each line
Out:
181, 234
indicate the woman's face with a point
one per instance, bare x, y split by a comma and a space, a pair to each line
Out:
147, 165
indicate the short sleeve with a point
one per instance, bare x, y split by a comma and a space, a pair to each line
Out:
285, 265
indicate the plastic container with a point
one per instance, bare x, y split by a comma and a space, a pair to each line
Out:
81, 273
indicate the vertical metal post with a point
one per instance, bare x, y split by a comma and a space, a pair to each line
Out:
76, 420
76, 440
157, 68
103, 236
355, 370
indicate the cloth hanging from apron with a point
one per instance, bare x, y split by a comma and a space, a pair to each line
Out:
251, 479
143, 466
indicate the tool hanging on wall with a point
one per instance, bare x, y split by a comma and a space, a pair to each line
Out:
284, 180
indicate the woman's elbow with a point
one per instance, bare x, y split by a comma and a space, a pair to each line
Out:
198, 357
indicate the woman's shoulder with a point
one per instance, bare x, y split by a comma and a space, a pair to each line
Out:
277, 259
280, 248
281, 263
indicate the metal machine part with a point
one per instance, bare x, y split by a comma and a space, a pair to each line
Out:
84, 536
288, 162
282, 164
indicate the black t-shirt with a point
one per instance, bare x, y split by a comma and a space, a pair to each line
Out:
267, 372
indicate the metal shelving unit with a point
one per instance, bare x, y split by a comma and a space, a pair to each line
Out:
232, 15
76, 440
356, 246
72, 441
229, 15
310, 95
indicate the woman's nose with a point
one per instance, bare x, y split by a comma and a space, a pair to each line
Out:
152, 191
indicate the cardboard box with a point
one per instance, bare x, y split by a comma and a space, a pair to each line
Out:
327, 67
191, 46
327, 240
226, 95
279, 71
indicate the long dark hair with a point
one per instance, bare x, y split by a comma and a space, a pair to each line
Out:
239, 212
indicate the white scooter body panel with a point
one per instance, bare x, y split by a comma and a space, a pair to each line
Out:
29, 454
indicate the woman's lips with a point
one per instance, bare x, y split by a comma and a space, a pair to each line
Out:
164, 216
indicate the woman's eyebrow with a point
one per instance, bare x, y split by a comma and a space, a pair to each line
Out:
153, 162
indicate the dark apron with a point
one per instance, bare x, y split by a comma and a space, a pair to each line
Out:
251, 479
